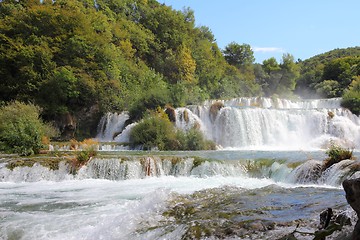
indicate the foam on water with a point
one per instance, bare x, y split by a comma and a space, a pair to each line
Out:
101, 209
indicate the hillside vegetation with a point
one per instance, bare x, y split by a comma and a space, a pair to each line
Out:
76, 61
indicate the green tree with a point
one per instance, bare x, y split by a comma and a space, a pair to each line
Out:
238, 55
280, 78
21, 129
351, 98
328, 88
338, 65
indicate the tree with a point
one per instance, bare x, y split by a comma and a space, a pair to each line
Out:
21, 129
337, 65
290, 72
280, 78
328, 88
351, 98
238, 55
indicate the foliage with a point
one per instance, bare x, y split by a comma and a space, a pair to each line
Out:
88, 150
351, 98
328, 88
239, 55
111, 55
278, 78
157, 95
21, 129
193, 140
336, 154
157, 132
339, 65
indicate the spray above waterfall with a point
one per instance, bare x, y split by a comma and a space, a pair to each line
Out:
258, 123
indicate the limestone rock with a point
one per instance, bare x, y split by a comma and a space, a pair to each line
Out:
352, 190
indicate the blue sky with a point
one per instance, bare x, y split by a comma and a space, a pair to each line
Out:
274, 27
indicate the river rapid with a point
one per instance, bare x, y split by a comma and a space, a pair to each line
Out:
232, 195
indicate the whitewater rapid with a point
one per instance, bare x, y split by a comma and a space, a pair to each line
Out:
143, 196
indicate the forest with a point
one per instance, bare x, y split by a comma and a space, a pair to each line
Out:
76, 59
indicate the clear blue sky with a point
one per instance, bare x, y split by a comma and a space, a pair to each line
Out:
273, 27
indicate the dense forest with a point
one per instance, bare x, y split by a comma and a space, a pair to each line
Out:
77, 60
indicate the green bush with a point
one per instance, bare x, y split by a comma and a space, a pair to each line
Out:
195, 141
21, 129
351, 97
156, 131
336, 154
89, 149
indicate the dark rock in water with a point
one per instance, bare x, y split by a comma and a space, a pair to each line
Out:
352, 190
325, 218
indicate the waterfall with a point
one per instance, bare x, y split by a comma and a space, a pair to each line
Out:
111, 125
278, 124
139, 167
259, 123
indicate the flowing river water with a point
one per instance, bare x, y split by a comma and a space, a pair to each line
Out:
266, 179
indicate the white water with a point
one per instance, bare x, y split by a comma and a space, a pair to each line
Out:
95, 209
111, 125
266, 124
125, 197
138, 167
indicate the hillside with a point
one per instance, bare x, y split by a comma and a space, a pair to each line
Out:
328, 74
77, 61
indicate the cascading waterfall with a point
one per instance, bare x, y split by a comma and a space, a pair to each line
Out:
111, 125
262, 123
126, 168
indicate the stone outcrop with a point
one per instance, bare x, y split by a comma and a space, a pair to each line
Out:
214, 109
67, 125
352, 190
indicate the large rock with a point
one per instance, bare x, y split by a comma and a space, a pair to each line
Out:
352, 190
67, 125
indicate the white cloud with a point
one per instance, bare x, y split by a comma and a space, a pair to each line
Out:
268, 49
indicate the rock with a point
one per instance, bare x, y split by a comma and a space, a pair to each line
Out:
214, 109
352, 190
325, 217
67, 126
171, 114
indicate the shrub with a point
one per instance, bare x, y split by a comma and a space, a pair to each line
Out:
89, 149
336, 154
351, 97
156, 130
22, 130
193, 140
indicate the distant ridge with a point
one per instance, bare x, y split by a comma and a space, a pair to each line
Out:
333, 54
